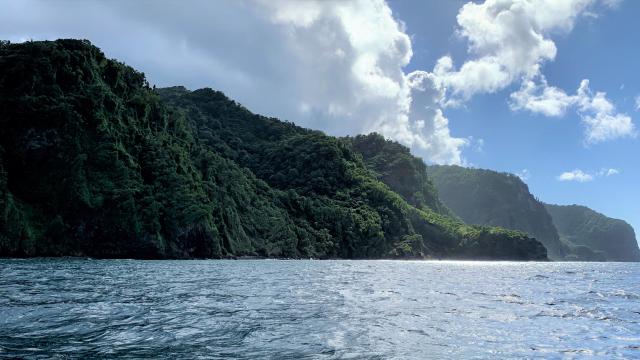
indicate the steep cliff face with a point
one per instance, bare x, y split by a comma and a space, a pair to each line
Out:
95, 162
609, 239
490, 198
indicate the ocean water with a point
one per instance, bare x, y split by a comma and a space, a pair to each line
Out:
261, 309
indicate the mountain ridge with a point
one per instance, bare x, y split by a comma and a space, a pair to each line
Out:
94, 162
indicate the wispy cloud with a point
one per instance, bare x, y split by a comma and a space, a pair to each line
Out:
612, 3
524, 175
608, 172
581, 176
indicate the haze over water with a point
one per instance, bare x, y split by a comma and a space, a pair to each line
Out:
318, 309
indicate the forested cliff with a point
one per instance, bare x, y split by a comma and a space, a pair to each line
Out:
487, 197
491, 198
580, 227
94, 162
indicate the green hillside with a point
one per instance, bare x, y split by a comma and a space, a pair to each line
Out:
491, 198
404, 173
610, 239
94, 162
574, 232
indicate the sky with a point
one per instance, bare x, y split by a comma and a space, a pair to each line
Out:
545, 89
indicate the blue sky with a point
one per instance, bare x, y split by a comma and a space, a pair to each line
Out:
491, 84
602, 49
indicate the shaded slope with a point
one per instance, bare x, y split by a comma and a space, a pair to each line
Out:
579, 226
490, 198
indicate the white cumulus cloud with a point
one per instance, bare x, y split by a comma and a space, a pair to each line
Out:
541, 98
600, 117
575, 175
509, 42
337, 66
602, 121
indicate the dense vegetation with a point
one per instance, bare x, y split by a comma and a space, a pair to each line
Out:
95, 162
609, 239
405, 174
491, 198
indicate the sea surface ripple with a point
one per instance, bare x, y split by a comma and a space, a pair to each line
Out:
277, 309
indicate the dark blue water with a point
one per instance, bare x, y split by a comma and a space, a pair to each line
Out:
318, 309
